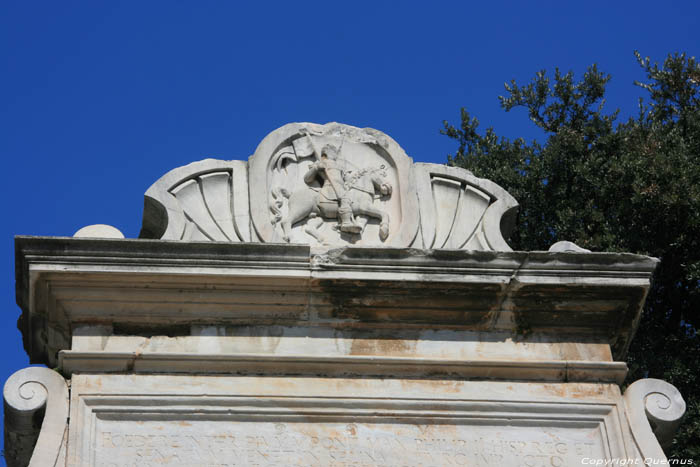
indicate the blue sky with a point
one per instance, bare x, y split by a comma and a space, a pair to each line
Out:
99, 99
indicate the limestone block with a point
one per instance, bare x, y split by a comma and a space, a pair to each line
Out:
165, 420
90, 337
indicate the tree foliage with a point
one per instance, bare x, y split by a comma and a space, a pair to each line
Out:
607, 186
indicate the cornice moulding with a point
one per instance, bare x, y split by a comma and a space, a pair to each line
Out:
64, 282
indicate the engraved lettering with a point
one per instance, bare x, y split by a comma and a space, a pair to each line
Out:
269, 444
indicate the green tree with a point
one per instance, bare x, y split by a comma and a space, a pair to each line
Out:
607, 186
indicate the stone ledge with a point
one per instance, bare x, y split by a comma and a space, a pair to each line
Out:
142, 284
346, 366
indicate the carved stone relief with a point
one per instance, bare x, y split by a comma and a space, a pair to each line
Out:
654, 409
333, 184
330, 184
205, 200
460, 211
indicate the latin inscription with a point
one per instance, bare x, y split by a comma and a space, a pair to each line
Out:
269, 444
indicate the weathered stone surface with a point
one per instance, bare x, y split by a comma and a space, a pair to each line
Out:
117, 420
310, 173
329, 302
205, 200
143, 286
461, 211
330, 184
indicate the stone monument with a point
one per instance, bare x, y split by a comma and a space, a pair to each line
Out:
328, 302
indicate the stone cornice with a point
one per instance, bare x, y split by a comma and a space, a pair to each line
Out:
136, 284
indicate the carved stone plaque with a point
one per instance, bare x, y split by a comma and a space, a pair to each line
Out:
197, 421
332, 184
305, 443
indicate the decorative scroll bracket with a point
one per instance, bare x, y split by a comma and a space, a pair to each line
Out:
27, 392
654, 410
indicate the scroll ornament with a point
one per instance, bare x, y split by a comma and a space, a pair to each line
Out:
28, 441
654, 411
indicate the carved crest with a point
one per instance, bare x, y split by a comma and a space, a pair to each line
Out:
330, 184
333, 184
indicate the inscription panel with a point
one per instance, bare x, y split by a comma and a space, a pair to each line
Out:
226, 443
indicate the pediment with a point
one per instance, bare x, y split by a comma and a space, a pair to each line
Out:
330, 185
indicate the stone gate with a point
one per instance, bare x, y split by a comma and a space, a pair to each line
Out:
328, 302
